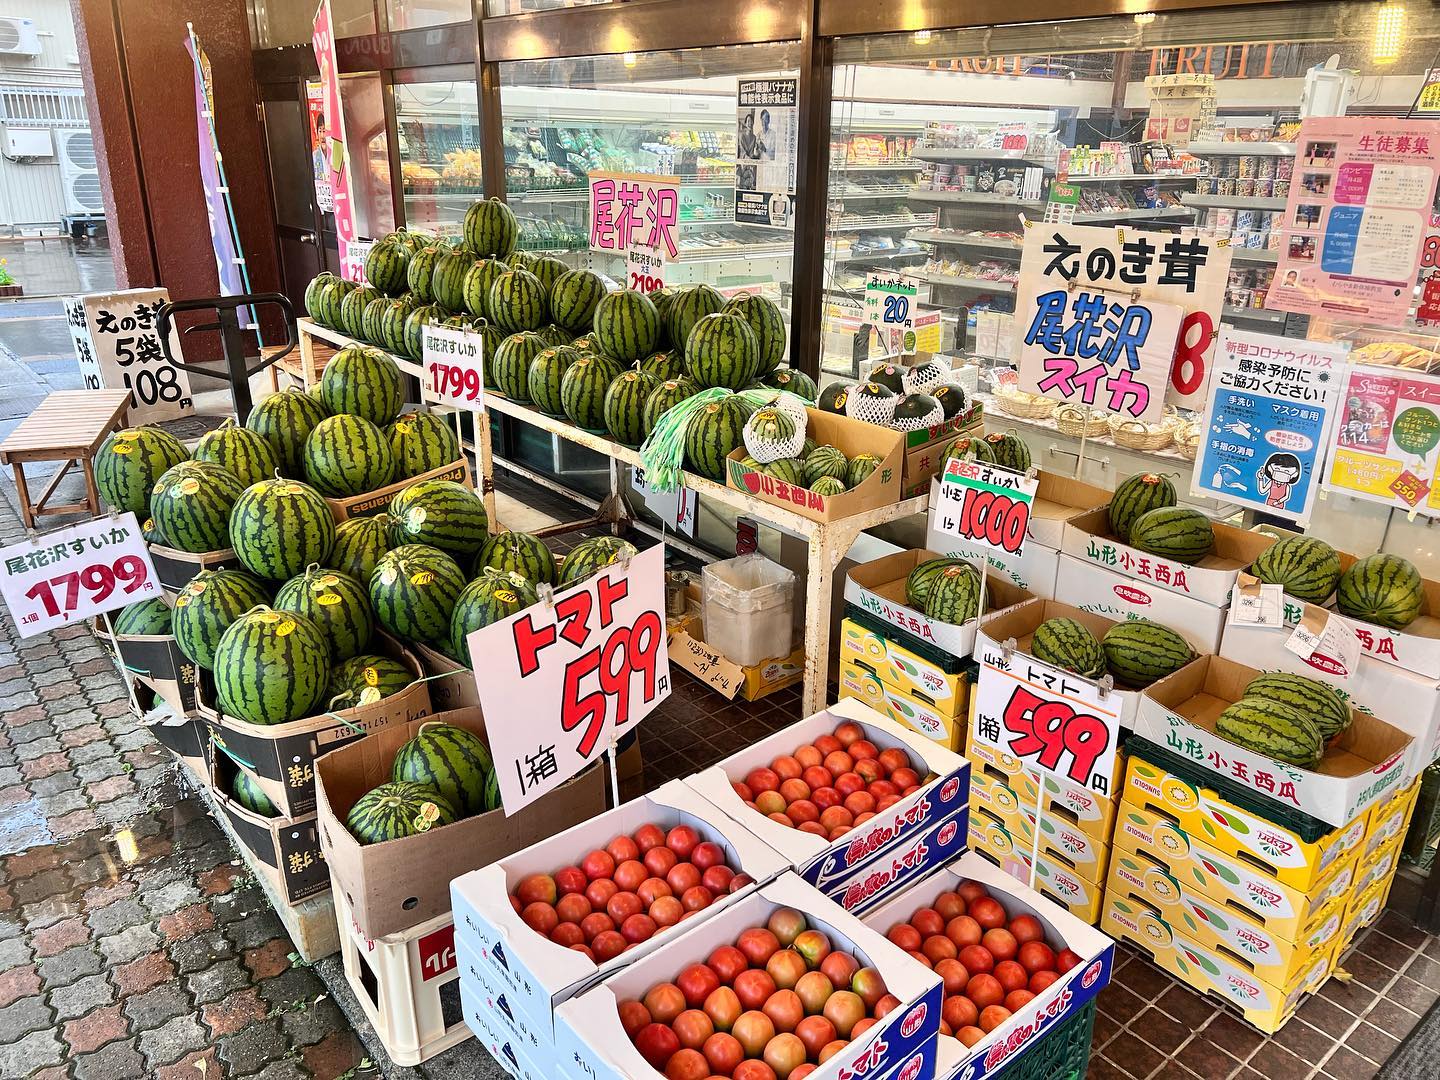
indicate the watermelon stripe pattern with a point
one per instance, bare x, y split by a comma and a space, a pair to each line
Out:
448, 278
490, 229
442, 514
420, 273
547, 373
492, 596
352, 309
666, 396
509, 367
1383, 589
366, 679
1138, 495
475, 289
359, 543
687, 307
271, 667
239, 451
285, 420
337, 604
346, 455
191, 506
722, 351
386, 267
1173, 532
331, 300
207, 605
413, 592
279, 527
1309, 697
517, 302
1306, 568
421, 442
582, 390
130, 461
413, 334
454, 761
573, 299
954, 595
1139, 652
312, 293
395, 810
143, 619
1272, 729
627, 326
591, 556
245, 791
1068, 644
625, 406
364, 382
519, 553
766, 323
711, 433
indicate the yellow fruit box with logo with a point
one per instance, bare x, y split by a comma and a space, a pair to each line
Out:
909, 709
1155, 843
1364, 908
1203, 814
905, 670
1053, 877
1391, 818
1092, 814
1086, 855
1378, 865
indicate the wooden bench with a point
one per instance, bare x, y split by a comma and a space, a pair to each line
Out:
68, 426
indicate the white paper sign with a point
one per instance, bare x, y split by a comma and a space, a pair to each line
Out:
985, 505
117, 347
453, 367
573, 675
1258, 605
645, 269
1328, 634
677, 509
352, 264
74, 573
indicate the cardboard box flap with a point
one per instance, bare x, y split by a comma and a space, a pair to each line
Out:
1057, 500
1088, 537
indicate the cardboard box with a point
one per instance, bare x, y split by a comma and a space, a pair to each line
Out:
904, 669
537, 974
1080, 807
880, 488
185, 737
588, 1027
175, 568
1058, 499
1379, 865
1059, 844
911, 709
452, 684
830, 865
1054, 878
872, 882
1391, 819
1101, 591
156, 662
398, 884
499, 1023
1033, 571
288, 848
1088, 538
486, 1021
377, 501
1365, 764
1364, 908
924, 447
1051, 1007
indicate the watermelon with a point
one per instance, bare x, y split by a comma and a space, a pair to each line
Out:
352, 309
1010, 451
1173, 532
246, 791
337, 604
722, 351
494, 595
332, 302
518, 553
687, 307
279, 527
591, 556
392, 326
509, 367
517, 302
861, 466
916, 412
475, 288
890, 376
664, 366
549, 270
144, 619
130, 461
239, 451
833, 398
624, 409
767, 429
393, 811
582, 390
386, 267
919, 580
797, 382
371, 319
828, 485
441, 513
711, 432
1274, 730
366, 679
207, 605
582, 344
1383, 589
951, 399
626, 325
1136, 495
191, 506
1139, 652
666, 396
791, 470
448, 278
312, 293
491, 339
573, 299
826, 461
490, 229
555, 335
347, 456
420, 273
150, 532
271, 667
413, 592
359, 543
412, 336
1309, 697
954, 595
546, 375
421, 442
364, 382
521, 260
1068, 644
768, 325
1305, 567
967, 448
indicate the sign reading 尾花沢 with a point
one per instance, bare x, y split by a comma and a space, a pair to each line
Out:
71, 574
1355, 223
767, 151
117, 345
1272, 401
332, 152
633, 210
890, 308
1094, 306
453, 367
985, 504
581, 670
1385, 445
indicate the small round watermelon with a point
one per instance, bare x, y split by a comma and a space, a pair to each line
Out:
421, 442
591, 556
128, 464
441, 513
453, 760
239, 451
359, 543
191, 506
365, 382
279, 527
207, 605
246, 791
491, 597
285, 420
396, 810
413, 592
518, 553
337, 604
144, 619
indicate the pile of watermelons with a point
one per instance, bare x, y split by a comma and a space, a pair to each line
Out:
898, 397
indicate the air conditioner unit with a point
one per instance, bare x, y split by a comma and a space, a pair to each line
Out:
78, 174
18, 37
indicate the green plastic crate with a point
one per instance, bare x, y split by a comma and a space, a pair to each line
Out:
1425, 822
1064, 1054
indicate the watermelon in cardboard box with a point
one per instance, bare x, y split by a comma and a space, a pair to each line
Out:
1087, 537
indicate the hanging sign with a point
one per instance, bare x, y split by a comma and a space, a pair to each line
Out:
676, 509
319, 145
1271, 404
77, 572
336, 152
452, 364
229, 264
581, 670
1356, 219
1385, 440
117, 346
767, 157
890, 308
633, 210
985, 505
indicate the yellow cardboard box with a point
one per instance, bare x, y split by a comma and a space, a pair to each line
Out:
1053, 877
903, 670
1364, 908
1085, 810
911, 710
1391, 818
1378, 865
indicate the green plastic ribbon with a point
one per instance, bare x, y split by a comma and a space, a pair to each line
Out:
663, 451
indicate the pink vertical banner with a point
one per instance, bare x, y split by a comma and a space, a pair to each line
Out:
336, 159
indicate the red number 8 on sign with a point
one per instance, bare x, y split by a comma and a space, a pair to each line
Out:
1187, 372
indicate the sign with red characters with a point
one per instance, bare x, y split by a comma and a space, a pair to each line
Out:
985, 504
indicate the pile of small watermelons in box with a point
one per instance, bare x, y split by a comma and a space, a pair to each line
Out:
898, 397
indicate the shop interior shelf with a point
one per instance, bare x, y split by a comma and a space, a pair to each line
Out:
879, 166
1253, 314
873, 226
945, 153
879, 256
958, 282
1255, 255
973, 197
1154, 178
1232, 202
1158, 213
957, 239
1241, 149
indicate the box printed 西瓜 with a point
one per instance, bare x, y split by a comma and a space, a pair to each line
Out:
1101, 591
1088, 538
911, 709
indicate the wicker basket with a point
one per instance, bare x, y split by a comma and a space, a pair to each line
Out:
1139, 436
1024, 406
1080, 423
1187, 439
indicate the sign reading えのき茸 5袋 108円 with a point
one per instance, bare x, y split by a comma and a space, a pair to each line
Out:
117, 347
566, 677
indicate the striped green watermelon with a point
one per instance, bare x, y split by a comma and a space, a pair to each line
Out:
664, 365
359, 543
763, 317
582, 344
364, 680
1383, 589
130, 461
967, 448
346, 456
713, 430
546, 374
1305, 567
954, 595
828, 485
591, 556
548, 269
386, 267
555, 335
519, 553
420, 442
687, 307
312, 293
413, 334
239, 451
332, 302
520, 260
833, 398
861, 466
392, 325
337, 604
352, 309
247, 792
491, 597
582, 390
279, 527
573, 299
509, 367
150, 533
453, 760
491, 339
479, 279
207, 605
1069, 645
1277, 731
1180, 533
1009, 450
666, 396
442, 514
448, 277
793, 380
413, 240
1139, 652
518, 302
919, 581
662, 298
144, 619
420, 272
413, 592
1136, 495
722, 351
490, 229
826, 461
364, 382
371, 318
271, 667
1309, 697
624, 409
393, 811
191, 506
790, 470
626, 325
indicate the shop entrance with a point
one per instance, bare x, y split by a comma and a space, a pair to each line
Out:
300, 225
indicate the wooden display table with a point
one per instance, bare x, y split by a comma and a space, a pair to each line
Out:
68, 426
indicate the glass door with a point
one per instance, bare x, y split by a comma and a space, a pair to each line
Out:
298, 225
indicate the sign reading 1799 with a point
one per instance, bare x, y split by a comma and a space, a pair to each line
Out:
453, 363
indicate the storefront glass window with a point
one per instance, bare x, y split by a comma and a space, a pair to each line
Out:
516, 7
438, 122
361, 97
411, 14
282, 22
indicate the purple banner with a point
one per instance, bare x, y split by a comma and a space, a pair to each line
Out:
228, 263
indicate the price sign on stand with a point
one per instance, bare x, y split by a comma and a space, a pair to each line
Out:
352, 264
645, 269
77, 572
890, 308
985, 504
572, 674
676, 508
453, 363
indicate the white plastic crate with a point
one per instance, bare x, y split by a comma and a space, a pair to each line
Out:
407, 983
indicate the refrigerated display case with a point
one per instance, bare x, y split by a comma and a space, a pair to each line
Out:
437, 121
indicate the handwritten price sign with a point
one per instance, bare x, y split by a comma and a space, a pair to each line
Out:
572, 675
453, 363
75, 573
985, 505
644, 269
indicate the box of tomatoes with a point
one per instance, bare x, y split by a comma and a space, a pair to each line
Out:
1013, 965
855, 802
553, 918
784, 982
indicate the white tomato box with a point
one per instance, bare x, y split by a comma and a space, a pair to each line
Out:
1051, 1007
831, 865
537, 973
1101, 591
593, 1044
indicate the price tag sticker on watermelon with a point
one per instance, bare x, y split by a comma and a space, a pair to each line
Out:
1323, 638
453, 367
985, 505
69, 575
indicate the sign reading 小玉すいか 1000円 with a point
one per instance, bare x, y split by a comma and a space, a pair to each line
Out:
1121, 321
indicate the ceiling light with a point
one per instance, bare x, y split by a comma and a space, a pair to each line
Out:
1389, 33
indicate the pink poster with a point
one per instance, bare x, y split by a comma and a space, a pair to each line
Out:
333, 158
1354, 226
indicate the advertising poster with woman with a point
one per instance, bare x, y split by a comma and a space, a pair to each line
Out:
1386, 439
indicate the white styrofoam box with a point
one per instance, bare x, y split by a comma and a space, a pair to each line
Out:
588, 1030
1086, 540
829, 865
1101, 591
502, 1019
1052, 1006
1033, 570
903, 864
537, 973
503, 1047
